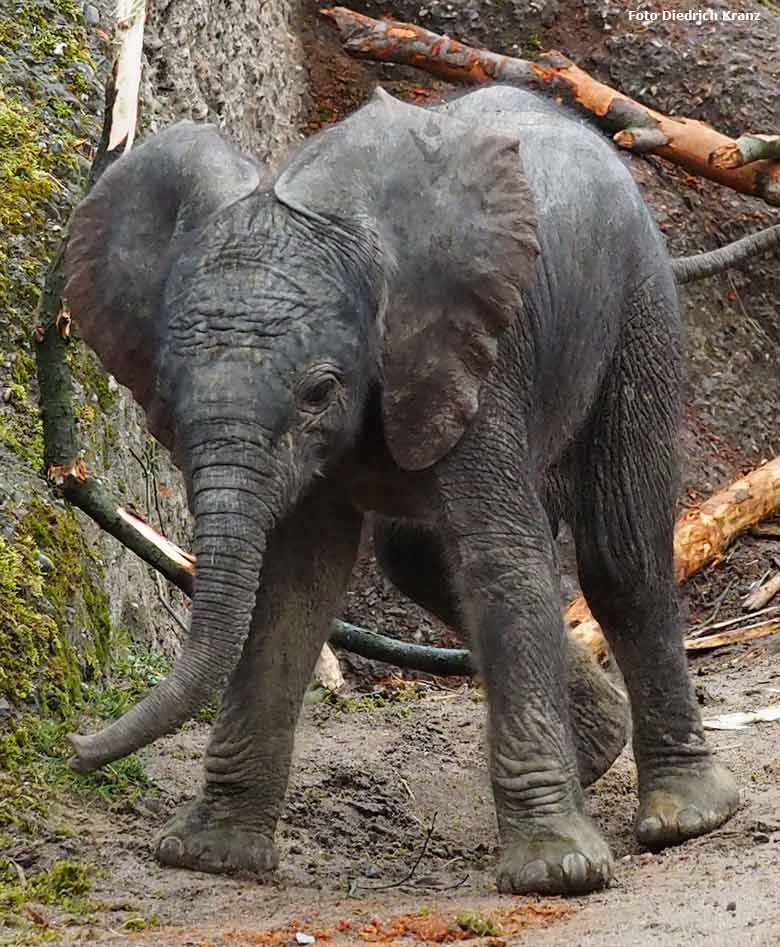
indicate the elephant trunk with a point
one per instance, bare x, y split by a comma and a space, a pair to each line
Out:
232, 520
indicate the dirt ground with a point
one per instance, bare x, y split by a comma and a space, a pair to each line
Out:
370, 781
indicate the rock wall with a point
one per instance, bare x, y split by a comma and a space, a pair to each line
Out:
68, 593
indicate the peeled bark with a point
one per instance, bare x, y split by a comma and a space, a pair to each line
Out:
745, 150
230, 531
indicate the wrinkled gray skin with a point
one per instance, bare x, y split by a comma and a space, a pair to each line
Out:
470, 339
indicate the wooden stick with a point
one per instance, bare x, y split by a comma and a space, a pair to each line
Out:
766, 530
683, 141
129, 37
763, 595
750, 633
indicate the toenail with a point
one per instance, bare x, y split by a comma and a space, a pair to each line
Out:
534, 873
576, 868
171, 849
651, 825
689, 820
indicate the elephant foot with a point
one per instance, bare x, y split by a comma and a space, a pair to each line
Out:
682, 803
199, 838
565, 855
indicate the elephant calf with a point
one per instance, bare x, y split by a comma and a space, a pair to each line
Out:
463, 320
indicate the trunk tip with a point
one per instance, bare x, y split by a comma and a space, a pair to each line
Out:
82, 760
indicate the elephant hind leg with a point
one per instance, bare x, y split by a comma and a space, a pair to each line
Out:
414, 560
627, 486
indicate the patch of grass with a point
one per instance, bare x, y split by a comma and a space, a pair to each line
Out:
377, 700
137, 922
64, 885
534, 44
34, 749
130, 678
477, 924
34, 754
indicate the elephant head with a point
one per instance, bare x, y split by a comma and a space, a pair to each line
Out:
253, 318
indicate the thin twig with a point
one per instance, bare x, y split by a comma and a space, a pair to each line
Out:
356, 885
707, 623
167, 606
700, 632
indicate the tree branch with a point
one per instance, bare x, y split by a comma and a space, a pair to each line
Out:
683, 141
746, 149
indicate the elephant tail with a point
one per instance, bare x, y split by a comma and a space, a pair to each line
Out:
686, 269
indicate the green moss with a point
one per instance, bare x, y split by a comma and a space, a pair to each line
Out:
86, 370
77, 574
136, 922
477, 924
55, 628
44, 124
28, 637
396, 697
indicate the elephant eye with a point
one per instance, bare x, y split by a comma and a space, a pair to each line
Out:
318, 391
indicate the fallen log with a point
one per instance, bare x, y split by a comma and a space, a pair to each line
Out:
703, 533
686, 142
701, 536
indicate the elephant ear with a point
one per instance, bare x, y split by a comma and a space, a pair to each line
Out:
456, 225
120, 244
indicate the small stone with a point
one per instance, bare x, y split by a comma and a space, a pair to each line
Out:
91, 15
760, 838
47, 566
301, 938
731, 906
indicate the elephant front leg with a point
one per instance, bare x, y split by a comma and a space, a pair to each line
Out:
508, 588
230, 825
